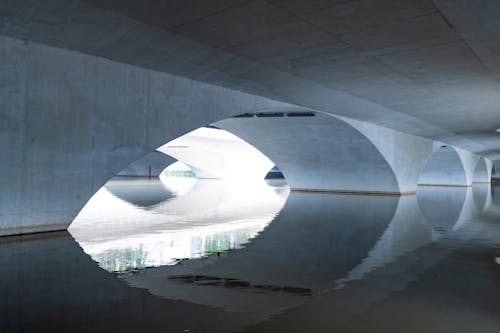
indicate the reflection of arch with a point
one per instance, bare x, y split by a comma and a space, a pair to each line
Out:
143, 193
406, 232
482, 196
446, 208
444, 168
359, 223
317, 152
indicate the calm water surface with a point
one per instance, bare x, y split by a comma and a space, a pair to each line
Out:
208, 256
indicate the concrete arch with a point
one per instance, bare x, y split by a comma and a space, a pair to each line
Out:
150, 165
405, 153
316, 152
102, 116
216, 154
481, 172
444, 168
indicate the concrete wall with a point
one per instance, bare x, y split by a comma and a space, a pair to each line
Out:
452, 166
69, 122
149, 165
320, 153
406, 154
444, 167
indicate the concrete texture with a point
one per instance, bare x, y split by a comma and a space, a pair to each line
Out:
444, 167
71, 121
482, 171
420, 66
149, 165
319, 153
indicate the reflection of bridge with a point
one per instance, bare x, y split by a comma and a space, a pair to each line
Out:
141, 223
407, 257
333, 245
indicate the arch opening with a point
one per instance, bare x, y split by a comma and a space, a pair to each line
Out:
481, 174
210, 196
243, 162
317, 152
443, 168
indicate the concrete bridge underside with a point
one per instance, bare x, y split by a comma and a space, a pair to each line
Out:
76, 111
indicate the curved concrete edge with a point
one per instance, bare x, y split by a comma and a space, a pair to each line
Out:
445, 167
218, 154
406, 154
149, 165
317, 152
102, 116
483, 171
70, 122
453, 166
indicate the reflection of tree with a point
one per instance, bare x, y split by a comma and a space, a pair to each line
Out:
224, 241
121, 260
128, 259
180, 173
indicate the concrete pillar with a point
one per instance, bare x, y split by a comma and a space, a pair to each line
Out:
405, 153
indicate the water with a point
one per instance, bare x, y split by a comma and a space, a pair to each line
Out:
208, 256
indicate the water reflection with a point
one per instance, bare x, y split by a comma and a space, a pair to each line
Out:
325, 263
134, 224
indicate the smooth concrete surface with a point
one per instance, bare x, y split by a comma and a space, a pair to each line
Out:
317, 152
337, 154
71, 121
149, 165
420, 66
483, 171
406, 154
444, 168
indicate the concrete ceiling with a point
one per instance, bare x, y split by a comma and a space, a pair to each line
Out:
426, 67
